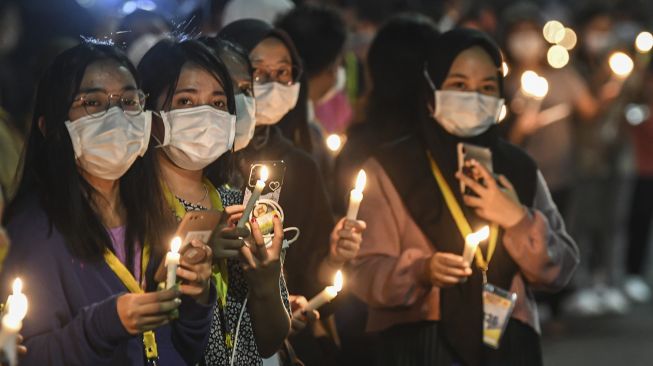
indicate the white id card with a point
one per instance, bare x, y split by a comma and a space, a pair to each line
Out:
497, 307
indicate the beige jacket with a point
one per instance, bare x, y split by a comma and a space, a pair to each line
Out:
386, 272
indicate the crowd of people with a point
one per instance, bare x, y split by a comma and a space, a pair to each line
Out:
489, 211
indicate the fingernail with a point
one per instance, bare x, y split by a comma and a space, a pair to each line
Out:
253, 220
276, 216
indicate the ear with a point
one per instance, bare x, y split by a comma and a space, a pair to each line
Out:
42, 125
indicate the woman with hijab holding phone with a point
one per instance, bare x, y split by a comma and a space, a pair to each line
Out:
429, 305
193, 91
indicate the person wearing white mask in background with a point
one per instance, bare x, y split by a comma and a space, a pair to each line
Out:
548, 129
89, 216
193, 91
423, 298
323, 246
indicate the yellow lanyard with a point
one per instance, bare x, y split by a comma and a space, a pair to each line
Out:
220, 271
149, 340
462, 223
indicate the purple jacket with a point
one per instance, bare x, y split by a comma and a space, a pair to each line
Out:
72, 317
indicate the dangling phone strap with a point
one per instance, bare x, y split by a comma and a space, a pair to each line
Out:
149, 339
461, 221
220, 269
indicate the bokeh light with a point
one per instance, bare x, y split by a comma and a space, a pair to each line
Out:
558, 56
569, 39
553, 31
644, 42
621, 64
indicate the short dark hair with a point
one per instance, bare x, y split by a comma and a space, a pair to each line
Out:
319, 33
51, 174
160, 69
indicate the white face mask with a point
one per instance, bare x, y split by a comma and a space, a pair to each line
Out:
273, 101
466, 114
597, 41
107, 146
245, 120
526, 46
196, 137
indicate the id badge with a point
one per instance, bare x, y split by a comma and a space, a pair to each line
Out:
497, 307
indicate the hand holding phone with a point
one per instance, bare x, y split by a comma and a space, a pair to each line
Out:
467, 153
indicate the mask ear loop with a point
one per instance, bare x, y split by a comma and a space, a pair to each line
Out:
166, 129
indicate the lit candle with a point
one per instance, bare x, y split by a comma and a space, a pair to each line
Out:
356, 196
12, 321
471, 243
172, 261
533, 85
260, 185
329, 293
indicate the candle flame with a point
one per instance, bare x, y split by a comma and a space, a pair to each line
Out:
17, 286
505, 69
264, 173
479, 236
175, 244
17, 302
334, 142
534, 85
361, 180
338, 281
621, 64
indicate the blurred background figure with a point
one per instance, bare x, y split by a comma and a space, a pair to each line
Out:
265, 10
140, 31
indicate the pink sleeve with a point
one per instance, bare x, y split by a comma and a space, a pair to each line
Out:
388, 268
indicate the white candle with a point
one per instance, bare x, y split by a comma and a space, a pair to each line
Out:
329, 293
258, 188
172, 262
471, 243
356, 196
12, 321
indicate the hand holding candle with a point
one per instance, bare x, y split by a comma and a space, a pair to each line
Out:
256, 194
12, 321
471, 243
356, 196
172, 262
329, 293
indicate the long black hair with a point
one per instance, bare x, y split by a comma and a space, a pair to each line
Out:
396, 59
160, 69
51, 173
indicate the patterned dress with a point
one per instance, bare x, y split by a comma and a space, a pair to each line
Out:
225, 320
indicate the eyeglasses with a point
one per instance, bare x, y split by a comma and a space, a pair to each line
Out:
284, 75
97, 103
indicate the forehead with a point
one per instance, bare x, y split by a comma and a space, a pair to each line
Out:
473, 62
108, 75
197, 77
271, 50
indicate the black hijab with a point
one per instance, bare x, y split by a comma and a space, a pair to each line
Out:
248, 33
461, 307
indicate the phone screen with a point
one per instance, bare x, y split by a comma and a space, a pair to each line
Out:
467, 152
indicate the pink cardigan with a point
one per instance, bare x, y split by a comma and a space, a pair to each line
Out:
386, 273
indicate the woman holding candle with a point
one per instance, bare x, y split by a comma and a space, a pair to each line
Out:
425, 301
323, 247
90, 223
194, 92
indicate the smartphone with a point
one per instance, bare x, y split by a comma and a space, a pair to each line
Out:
196, 225
274, 184
467, 152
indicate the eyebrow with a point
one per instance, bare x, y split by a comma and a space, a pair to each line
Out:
100, 89
458, 75
186, 90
